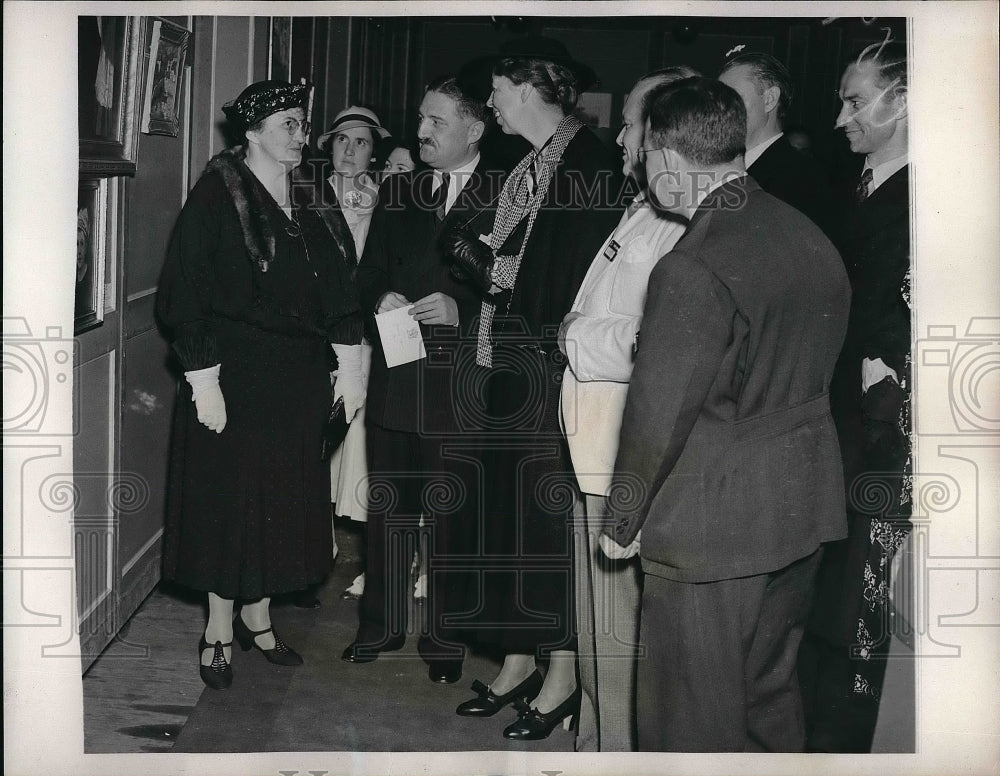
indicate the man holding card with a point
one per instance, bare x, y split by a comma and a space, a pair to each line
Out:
414, 429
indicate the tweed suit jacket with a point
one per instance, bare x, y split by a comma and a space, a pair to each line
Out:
403, 254
728, 461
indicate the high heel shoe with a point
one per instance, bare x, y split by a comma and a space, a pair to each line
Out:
219, 674
280, 654
488, 703
533, 725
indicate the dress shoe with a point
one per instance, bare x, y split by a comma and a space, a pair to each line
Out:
444, 671
487, 703
533, 725
368, 653
356, 590
219, 674
280, 654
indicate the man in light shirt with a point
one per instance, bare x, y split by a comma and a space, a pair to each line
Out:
598, 337
728, 460
844, 654
765, 86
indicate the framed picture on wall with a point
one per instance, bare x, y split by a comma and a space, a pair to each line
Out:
164, 77
109, 75
91, 247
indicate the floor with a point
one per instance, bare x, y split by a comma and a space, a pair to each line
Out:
144, 693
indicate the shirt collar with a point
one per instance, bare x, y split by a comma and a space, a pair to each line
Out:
753, 154
459, 173
882, 172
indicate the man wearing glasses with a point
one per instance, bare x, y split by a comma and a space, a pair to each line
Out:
728, 461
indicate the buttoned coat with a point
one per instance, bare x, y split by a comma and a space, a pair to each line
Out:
599, 343
403, 254
729, 462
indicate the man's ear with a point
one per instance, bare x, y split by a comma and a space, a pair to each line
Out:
772, 96
476, 131
899, 103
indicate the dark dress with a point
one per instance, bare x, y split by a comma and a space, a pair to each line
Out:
526, 583
248, 510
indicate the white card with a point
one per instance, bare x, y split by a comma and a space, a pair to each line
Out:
401, 338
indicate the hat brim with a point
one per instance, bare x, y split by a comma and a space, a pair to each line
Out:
380, 133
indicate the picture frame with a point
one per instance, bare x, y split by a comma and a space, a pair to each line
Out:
91, 253
166, 55
110, 76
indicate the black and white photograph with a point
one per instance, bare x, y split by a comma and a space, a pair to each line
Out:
607, 388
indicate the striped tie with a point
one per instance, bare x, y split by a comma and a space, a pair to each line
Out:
865, 184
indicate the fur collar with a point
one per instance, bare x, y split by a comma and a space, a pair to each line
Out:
258, 234
258, 230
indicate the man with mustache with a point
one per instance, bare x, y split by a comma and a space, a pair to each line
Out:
413, 421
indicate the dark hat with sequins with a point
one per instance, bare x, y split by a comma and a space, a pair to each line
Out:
259, 100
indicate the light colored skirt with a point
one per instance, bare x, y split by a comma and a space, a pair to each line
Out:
349, 465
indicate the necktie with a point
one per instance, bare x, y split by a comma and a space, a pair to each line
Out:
865, 185
441, 197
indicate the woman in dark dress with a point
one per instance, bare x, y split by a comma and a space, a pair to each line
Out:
254, 290
556, 209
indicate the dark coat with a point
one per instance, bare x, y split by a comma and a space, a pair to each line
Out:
530, 482
798, 179
874, 445
403, 254
728, 460
582, 206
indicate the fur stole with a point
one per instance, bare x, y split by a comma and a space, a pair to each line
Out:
258, 231
258, 234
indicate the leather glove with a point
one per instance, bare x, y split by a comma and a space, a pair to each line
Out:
472, 259
349, 381
615, 551
207, 397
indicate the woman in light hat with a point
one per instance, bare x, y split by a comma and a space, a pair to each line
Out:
350, 141
254, 291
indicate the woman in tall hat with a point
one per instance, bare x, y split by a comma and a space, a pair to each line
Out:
556, 208
254, 292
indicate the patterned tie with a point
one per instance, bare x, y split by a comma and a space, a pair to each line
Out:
441, 197
864, 185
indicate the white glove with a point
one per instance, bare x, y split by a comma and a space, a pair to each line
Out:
615, 551
350, 384
207, 397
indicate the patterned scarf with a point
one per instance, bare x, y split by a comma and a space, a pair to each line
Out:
514, 204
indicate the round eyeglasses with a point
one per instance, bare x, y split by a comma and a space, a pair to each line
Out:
291, 126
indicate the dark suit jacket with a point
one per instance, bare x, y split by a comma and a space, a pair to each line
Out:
403, 254
799, 180
728, 459
873, 447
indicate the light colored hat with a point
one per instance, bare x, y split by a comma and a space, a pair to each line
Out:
353, 118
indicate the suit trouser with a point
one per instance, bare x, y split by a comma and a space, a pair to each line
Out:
409, 475
719, 668
607, 618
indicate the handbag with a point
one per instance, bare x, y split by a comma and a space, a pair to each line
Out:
335, 430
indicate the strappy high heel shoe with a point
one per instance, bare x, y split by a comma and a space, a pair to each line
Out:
218, 674
280, 654
487, 703
533, 725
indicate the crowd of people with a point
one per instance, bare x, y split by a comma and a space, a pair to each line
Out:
653, 453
